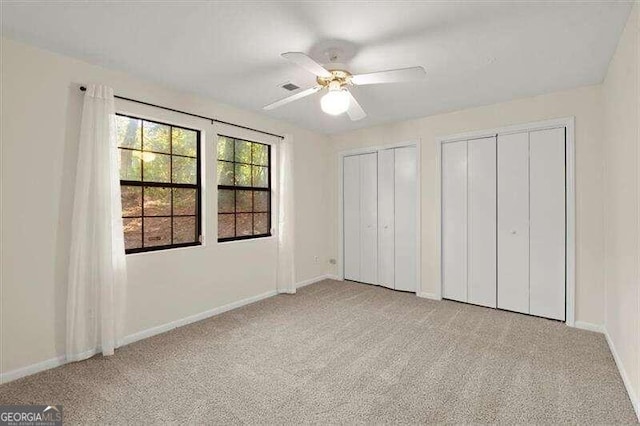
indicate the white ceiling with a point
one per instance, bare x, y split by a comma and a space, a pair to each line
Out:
475, 53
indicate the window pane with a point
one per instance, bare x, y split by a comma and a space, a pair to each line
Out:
131, 200
184, 201
226, 201
128, 131
244, 225
226, 226
260, 154
184, 230
260, 201
157, 169
244, 203
260, 176
260, 223
243, 151
155, 137
157, 231
129, 165
243, 175
157, 201
225, 148
184, 141
132, 233
184, 170
225, 173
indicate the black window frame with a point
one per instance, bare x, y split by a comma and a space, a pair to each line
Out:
268, 189
171, 185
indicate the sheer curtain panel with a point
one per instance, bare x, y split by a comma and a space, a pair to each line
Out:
97, 270
286, 270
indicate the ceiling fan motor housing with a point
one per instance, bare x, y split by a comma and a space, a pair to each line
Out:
340, 77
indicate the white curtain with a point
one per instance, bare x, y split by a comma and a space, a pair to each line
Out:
286, 270
97, 270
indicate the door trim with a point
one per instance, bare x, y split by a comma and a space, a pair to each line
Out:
570, 197
366, 150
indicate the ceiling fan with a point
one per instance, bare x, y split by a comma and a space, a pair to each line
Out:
338, 98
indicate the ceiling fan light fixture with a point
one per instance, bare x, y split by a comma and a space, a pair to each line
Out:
335, 102
339, 99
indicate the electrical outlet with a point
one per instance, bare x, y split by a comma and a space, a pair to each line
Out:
316, 259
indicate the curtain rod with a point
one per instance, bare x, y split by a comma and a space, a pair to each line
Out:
213, 120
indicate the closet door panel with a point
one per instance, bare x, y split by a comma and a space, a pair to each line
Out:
547, 223
454, 220
351, 217
369, 218
386, 232
513, 222
482, 222
406, 177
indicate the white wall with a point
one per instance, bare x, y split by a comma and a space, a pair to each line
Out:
583, 103
41, 109
621, 91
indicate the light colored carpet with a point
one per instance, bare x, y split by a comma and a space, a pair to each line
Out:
345, 353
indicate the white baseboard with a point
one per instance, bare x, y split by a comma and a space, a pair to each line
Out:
625, 378
316, 280
195, 318
589, 326
31, 369
426, 295
60, 360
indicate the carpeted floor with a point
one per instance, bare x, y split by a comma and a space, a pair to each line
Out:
345, 353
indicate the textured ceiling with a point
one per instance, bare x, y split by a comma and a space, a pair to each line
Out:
475, 53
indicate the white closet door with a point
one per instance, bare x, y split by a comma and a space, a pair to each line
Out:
481, 221
369, 218
547, 223
454, 220
406, 177
513, 222
386, 231
351, 217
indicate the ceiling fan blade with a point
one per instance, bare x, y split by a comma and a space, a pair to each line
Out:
391, 76
355, 111
307, 63
292, 98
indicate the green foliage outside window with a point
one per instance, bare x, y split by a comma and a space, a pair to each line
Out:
244, 189
159, 183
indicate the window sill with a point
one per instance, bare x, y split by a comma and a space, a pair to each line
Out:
168, 249
247, 240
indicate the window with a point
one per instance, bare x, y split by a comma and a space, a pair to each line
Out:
160, 184
244, 189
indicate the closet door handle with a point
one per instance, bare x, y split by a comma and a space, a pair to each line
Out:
513, 232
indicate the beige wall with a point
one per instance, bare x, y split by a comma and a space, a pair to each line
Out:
41, 109
583, 103
621, 91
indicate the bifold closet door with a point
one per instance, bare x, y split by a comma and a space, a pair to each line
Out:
360, 220
481, 222
547, 223
406, 220
351, 217
454, 220
386, 218
369, 218
513, 222
504, 222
